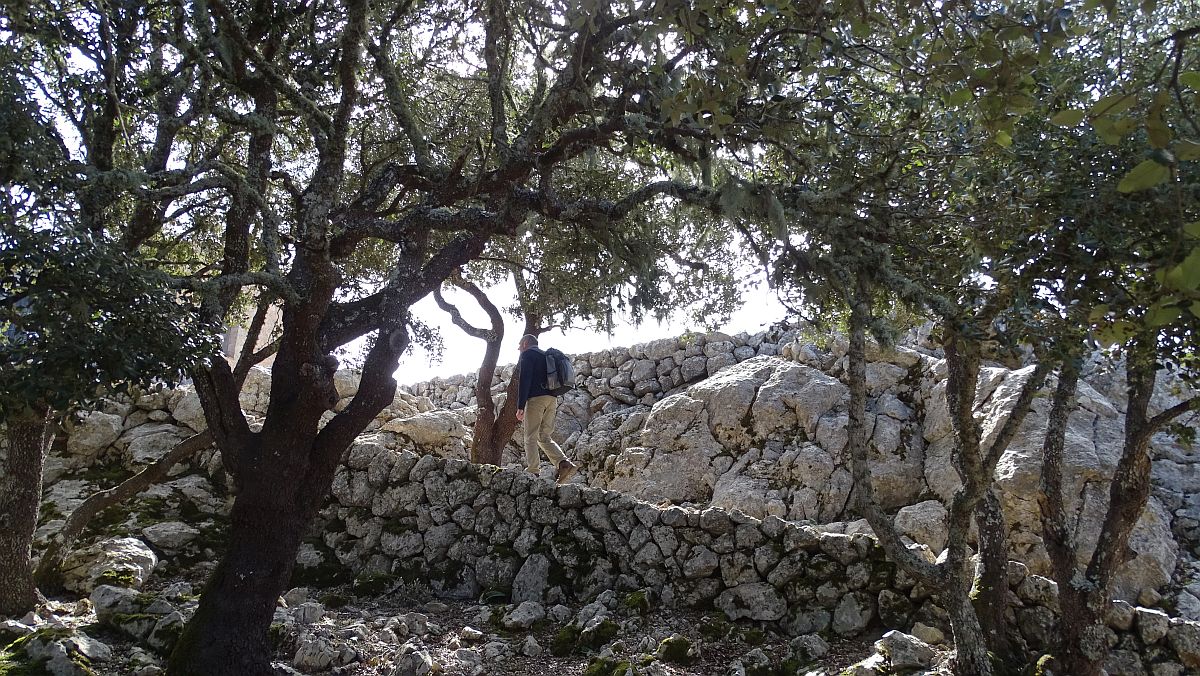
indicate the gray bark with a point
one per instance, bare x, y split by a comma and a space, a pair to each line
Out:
29, 436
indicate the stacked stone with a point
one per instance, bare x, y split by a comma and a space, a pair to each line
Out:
623, 376
469, 529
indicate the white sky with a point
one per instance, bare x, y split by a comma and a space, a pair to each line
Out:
463, 353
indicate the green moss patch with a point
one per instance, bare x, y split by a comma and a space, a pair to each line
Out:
373, 584
607, 667
637, 602
754, 636
117, 578
564, 641
677, 650
602, 633
714, 627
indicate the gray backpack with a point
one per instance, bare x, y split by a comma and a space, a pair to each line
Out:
560, 372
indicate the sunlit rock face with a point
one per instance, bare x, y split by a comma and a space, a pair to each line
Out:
752, 424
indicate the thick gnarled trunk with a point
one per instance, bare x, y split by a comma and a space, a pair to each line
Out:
228, 634
28, 436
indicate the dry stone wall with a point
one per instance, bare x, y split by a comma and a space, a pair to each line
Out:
477, 531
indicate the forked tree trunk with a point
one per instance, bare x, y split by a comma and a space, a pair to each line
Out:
1084, 601
28, 435
47, 575
493, 429
953, 576
282, 474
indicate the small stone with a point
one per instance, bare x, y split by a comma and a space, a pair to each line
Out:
928, 634
808, 647
468, 656
470, 635
531, 648
413, 662
1152, 625
524, 615
1149, 597
1119, 616
756, 601
309, 612
170, 535
904, 651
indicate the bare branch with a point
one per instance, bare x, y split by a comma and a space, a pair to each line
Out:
459, 320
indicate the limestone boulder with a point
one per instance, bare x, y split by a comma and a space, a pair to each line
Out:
92, 435
116, 561
430, 430
170, 536
187, 410
256, 391
925, 523
728, 397
794, 398
148, 443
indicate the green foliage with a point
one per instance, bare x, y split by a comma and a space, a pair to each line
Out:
79, 318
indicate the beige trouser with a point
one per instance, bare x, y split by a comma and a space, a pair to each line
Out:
539, 423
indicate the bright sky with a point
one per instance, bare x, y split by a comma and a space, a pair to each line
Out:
463, 353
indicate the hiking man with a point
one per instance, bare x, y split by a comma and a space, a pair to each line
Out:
536, 407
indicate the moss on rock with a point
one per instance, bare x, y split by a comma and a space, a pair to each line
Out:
677, 650
564, 641
602, 666
117, 578
602, 633
637, 602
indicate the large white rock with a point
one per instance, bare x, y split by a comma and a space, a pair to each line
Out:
727, 398
125, 560
256, 391
429, 430
170, 535
794, 398
90, 436
149, 443
187, 410
925, 523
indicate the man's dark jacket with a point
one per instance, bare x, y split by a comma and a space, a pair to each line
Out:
533, 376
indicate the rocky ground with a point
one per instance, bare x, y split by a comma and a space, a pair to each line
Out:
403, 630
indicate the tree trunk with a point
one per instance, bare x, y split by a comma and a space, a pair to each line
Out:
991, 578
483, 447
228, 634
1084, 648
47, 575
969, 640
283, 474
28, 435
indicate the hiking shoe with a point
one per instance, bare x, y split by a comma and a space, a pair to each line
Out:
566, 470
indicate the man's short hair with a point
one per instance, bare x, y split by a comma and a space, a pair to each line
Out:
529, 339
